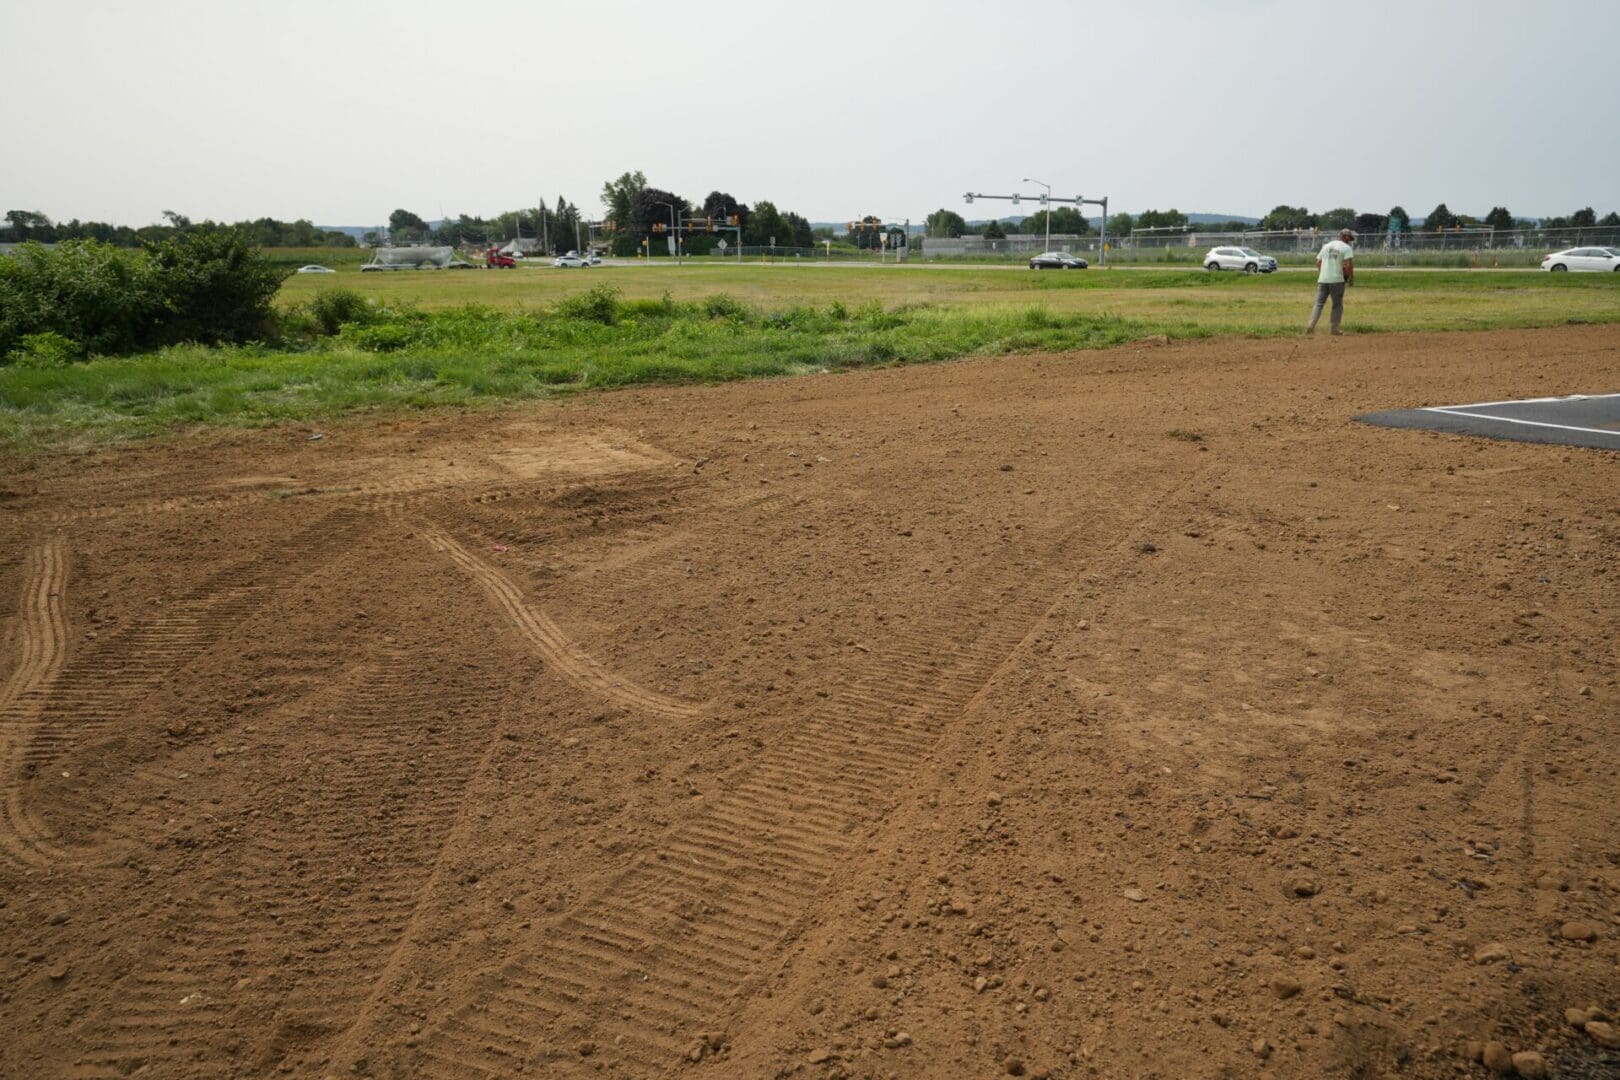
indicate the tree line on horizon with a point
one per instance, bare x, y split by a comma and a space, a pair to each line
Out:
1069, 221
22, 226
633, 207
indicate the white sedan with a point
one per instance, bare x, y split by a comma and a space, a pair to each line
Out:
312, 268
1587, 258
570, 259
1248, 260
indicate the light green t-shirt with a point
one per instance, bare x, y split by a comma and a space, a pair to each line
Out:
1333, 254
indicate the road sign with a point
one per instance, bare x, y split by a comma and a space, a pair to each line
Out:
721, 245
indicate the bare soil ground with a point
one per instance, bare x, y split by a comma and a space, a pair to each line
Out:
1109, 714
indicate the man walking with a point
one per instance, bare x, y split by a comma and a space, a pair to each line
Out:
1335, 268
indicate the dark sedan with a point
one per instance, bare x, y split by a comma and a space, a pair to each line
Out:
1057, 260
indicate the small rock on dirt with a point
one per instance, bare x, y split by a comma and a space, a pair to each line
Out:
1285, 987
1301, 884
1497, 1058
1530, 1064
817, 1057
1491, 952
1261, 1048
1135, 896
1603, 1033
1578, 930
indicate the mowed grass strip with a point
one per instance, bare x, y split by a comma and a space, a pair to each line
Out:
465, 338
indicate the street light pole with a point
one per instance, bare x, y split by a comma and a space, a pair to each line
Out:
1047, 202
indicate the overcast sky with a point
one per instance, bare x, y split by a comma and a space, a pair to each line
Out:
341, 110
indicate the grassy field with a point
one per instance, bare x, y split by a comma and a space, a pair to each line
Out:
466, 338
1225, 303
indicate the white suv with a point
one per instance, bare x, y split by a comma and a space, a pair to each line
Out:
1248, 260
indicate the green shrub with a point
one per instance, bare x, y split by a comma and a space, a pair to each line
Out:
332, 308
215, 287
383, 337
44, 350
207, 285
721, 306
100, 297
598, 304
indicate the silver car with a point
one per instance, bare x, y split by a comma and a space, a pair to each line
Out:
1248, 260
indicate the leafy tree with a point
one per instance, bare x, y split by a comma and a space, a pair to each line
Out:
994, 231
1334, 220
1121, 224
27, 225
621, 197
798, 229
1284, 216
1610, 220
720, 206
1065, 219
404, 225
1583, 218
1400, 217
1499, 218
1369, 223
1161, 219
763, 224
945, 223
1440, 218
652, 209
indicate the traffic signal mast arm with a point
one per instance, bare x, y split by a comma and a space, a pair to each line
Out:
1044, 200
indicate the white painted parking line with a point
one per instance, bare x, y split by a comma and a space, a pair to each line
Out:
1522, 401
1529, 423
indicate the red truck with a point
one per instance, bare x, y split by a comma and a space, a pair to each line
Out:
495, 259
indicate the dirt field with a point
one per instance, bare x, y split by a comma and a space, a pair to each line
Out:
1114, 714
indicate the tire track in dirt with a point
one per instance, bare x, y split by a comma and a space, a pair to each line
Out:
304, 915
42, 652
98, 688
633, 977
566, 656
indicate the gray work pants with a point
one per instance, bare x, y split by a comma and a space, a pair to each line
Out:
1325, 289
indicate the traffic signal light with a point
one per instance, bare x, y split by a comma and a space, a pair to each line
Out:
734, 219
658, 226
708, 224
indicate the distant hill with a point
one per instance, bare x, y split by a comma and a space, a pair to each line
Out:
356, 231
